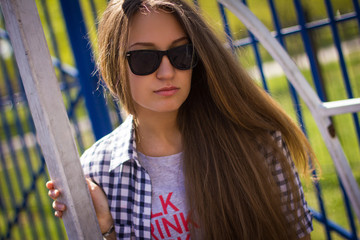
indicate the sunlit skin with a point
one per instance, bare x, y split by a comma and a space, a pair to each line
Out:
166, 89
158, 96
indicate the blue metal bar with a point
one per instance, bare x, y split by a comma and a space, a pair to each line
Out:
68, 70
357, 10
117, 108
226, 27
18, 177
297, 28
350, 95
285, 31
94, 96
24, 148
71, 114
15, 114
9, 187
309, 50
296, 104
259, 62
61, 73
316, 78
94, 13
75, 102
295, 98
342, 64
63, 78
3, 194
322, 209
348, 211
258, 59
41, 170
333, 226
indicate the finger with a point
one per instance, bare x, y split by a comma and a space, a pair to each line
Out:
50, 185
58, 206
58, 214
54, 194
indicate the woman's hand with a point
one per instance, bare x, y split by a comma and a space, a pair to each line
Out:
98, 198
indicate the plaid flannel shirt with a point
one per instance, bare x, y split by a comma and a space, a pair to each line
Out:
113, 164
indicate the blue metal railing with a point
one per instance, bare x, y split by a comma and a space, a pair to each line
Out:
293, 30
299, 115
258, 59
93, 94
344, 71
63, 76
18, 211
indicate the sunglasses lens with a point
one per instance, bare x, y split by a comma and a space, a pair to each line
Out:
182, 57
143, 62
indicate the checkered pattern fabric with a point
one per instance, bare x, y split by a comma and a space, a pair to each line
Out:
285, 188
113, 164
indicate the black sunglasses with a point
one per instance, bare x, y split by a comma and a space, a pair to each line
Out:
145, 62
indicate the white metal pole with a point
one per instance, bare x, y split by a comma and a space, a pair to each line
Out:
52, 124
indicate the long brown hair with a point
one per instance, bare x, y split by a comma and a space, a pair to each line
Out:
226, 124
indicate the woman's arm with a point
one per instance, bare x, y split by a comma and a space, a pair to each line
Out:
100, 204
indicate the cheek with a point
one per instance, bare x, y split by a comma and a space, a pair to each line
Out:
188, 80
134, 86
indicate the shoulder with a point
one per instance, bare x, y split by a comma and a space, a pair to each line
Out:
97, 159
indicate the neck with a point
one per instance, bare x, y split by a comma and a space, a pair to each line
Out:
158, 134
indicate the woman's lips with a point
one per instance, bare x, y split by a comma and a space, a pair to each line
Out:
167, 91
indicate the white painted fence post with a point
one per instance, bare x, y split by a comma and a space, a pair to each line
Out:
50, 117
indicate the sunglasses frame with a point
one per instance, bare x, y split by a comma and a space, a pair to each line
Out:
159, 56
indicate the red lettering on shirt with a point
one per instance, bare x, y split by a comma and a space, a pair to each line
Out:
177, 228
156, 215
171, 222
167, 203
159, 229
152, 232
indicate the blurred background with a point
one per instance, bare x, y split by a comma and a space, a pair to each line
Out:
322, 37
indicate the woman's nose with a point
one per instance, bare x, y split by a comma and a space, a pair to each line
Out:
166, 70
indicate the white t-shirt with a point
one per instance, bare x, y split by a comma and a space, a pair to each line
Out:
170, 214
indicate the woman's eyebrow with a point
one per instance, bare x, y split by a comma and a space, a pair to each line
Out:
180, 39
150, 44
146, 44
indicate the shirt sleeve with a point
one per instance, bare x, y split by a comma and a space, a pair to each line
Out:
305, 216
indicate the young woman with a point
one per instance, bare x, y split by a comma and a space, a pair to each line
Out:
204, 152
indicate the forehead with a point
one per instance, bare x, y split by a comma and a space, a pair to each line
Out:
156, 27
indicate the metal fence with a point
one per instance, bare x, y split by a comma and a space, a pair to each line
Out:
326, 46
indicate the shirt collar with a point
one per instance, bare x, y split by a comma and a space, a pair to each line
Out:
124, 144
